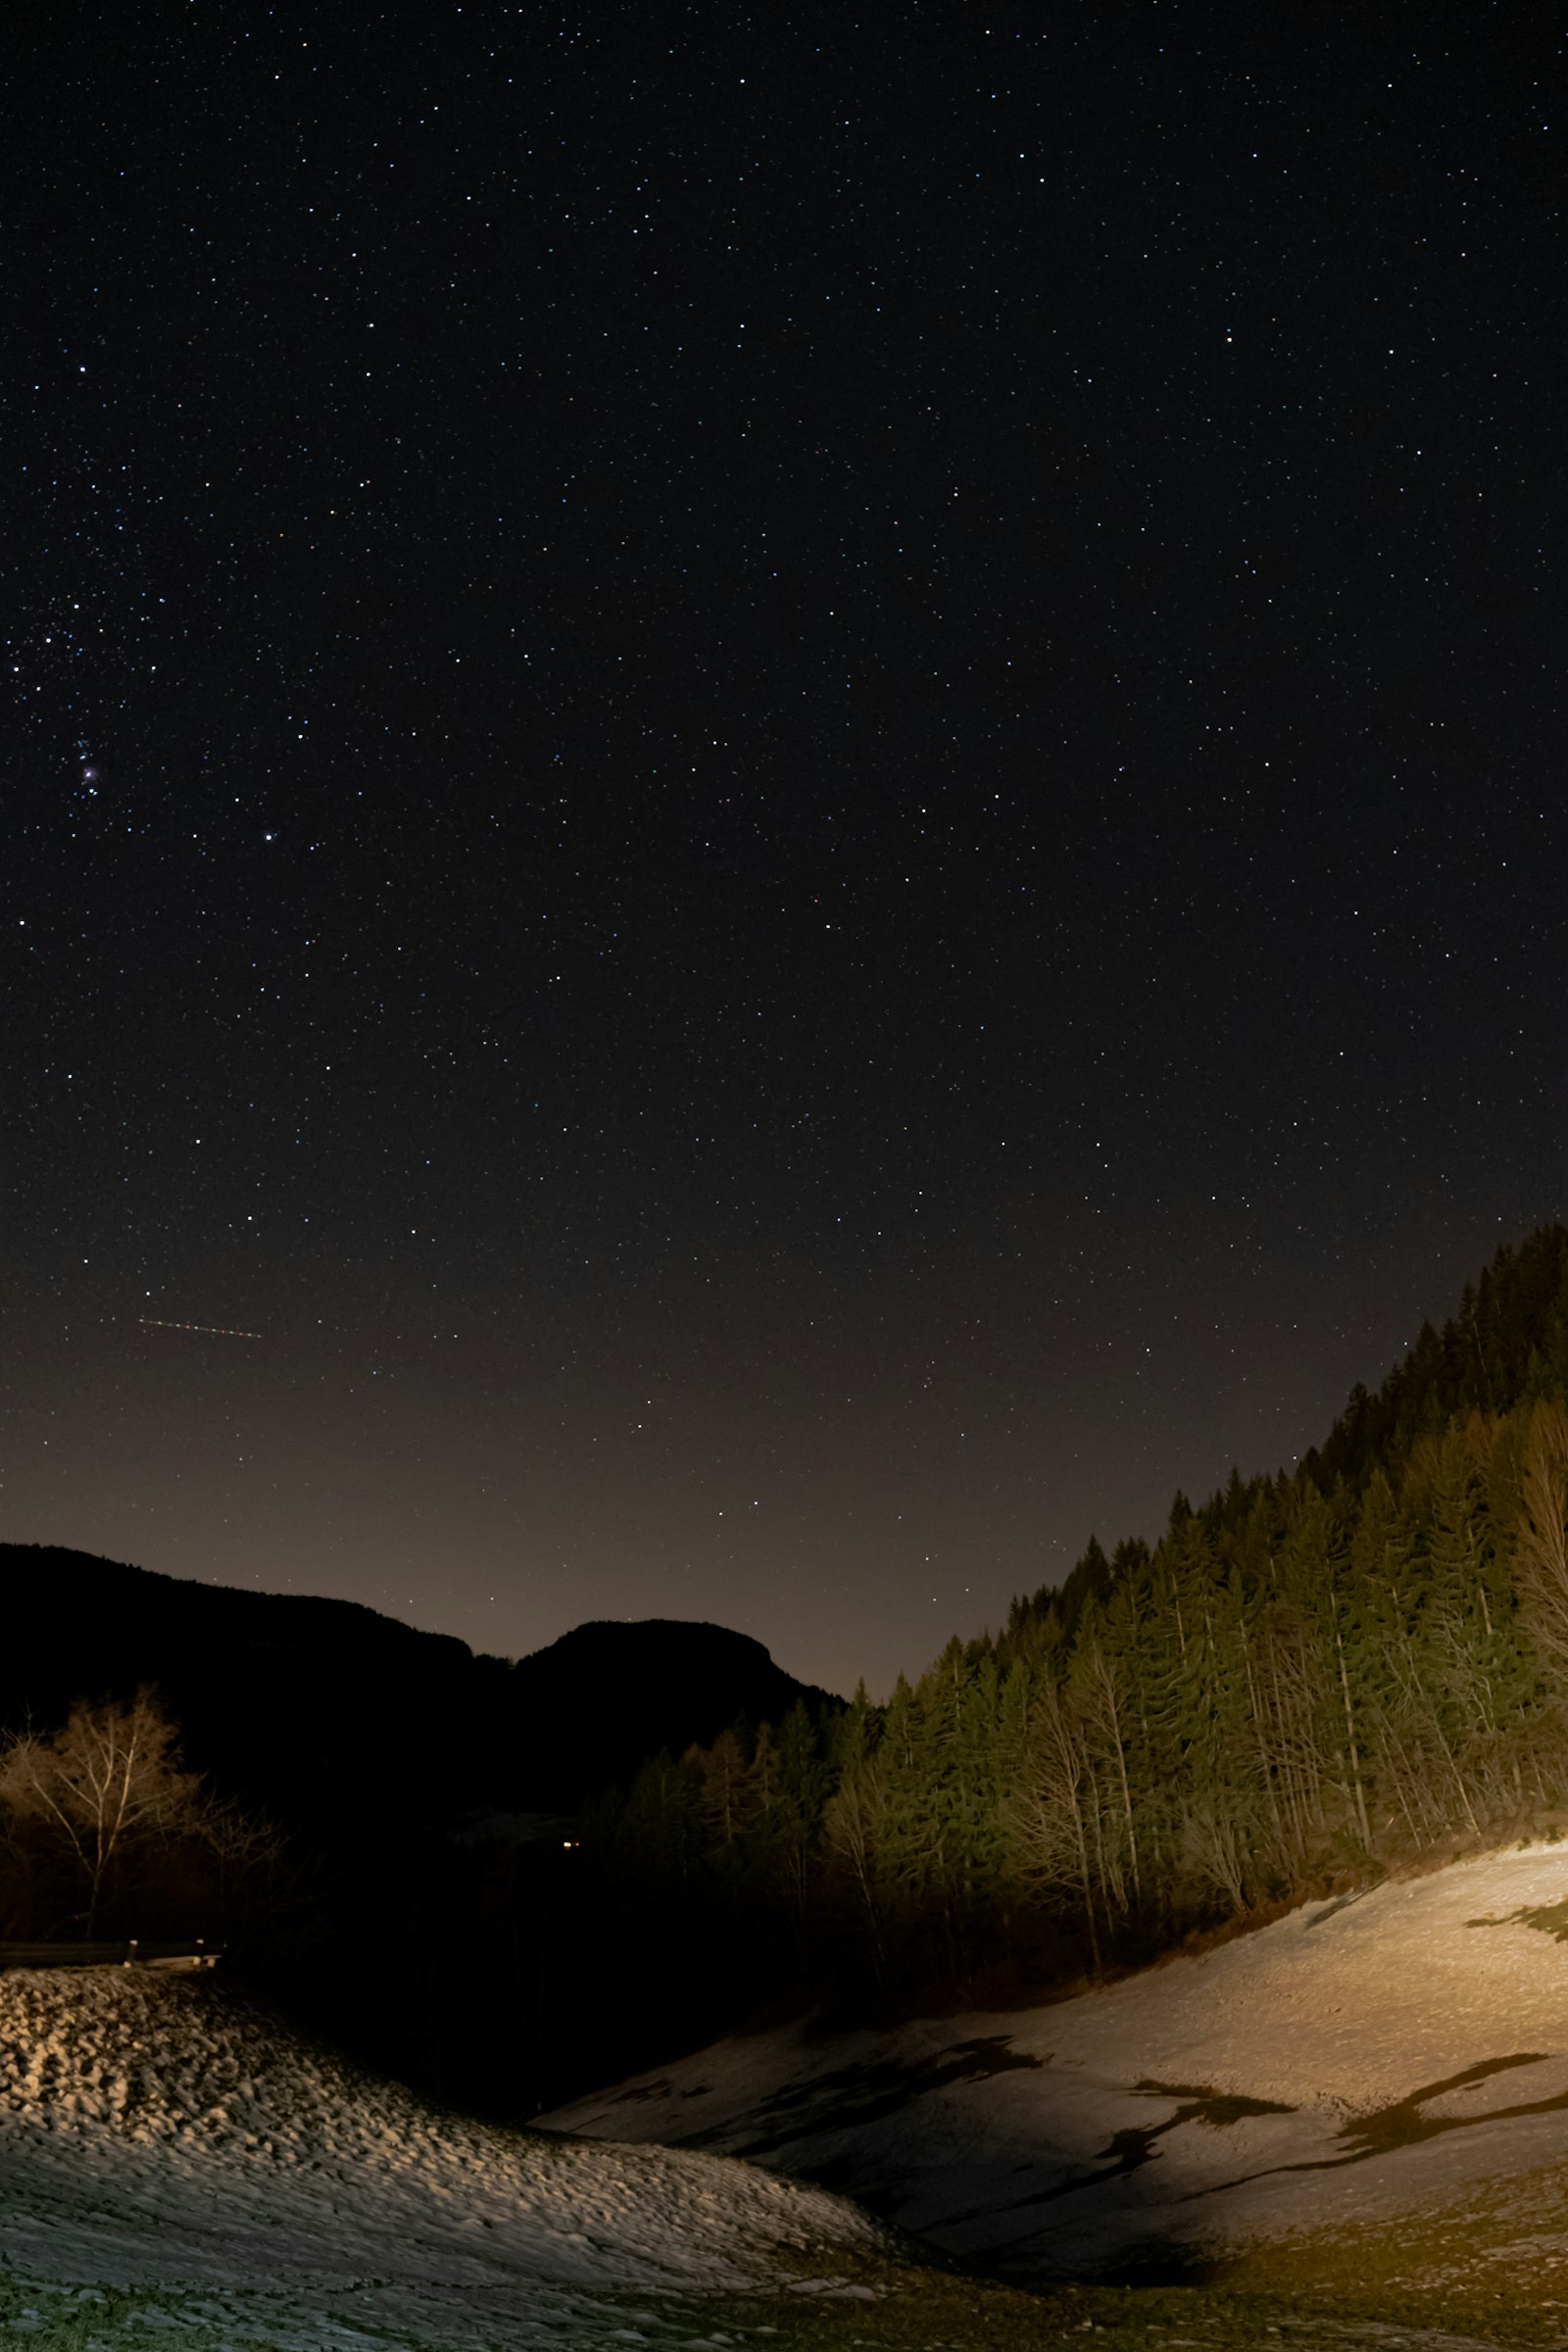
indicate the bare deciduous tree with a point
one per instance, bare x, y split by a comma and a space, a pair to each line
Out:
1540, 1539
852, 1826
110, 1781
1215, 1844
1047, 1809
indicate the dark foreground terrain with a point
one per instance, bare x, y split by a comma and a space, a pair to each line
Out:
900, 2311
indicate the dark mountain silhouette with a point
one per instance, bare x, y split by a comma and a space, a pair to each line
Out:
609, 1694
324, 1711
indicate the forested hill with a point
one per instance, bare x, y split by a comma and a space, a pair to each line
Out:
237, 1669
1316, 1674
1509, 1342
1310, 1678
1506, 1345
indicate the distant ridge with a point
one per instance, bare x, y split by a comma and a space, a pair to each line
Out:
320, 1708
608, 1695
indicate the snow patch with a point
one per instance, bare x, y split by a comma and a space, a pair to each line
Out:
161, 2131
1376, 2054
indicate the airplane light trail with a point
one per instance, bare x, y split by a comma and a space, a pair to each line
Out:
221, 1331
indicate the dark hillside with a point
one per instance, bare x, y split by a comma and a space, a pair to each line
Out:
326, 1712
592, 1706
285, 1698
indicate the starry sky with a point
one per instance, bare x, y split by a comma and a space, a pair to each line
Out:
790, 781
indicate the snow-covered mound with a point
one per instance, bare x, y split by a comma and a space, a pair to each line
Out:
158, 2130
1371, 2055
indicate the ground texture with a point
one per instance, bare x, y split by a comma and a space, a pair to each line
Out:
181, 2161
1368, 2060
1350, 2130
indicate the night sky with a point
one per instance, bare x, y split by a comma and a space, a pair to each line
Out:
790, 779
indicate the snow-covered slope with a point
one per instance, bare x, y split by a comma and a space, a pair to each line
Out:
1366, 2056
157, 2129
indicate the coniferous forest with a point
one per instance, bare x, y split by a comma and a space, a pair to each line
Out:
1309, 1678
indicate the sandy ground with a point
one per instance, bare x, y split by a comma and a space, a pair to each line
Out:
1360, 2058
157, 2129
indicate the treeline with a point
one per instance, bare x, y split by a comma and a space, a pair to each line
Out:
1307, 1679
1325, 1672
